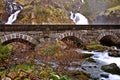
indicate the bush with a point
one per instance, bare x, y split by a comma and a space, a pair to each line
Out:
50, 50
4, 51
54, 76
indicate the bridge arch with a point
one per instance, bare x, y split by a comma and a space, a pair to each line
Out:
17, 37
73, 36
108, 39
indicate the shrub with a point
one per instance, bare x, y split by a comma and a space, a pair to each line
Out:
55, 76
4, 51
50, 50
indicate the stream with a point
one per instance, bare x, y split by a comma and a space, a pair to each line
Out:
102, 58
92, 68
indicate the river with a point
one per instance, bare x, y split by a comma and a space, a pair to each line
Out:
104, 59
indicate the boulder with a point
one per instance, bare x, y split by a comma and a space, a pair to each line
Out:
111, 68
114, 53
104, 75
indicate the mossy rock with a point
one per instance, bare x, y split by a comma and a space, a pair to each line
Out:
112, 10
111, 68
13, 74
97, 47
91, 60
79, 75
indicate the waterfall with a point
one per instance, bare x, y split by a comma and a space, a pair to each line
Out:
14, 10
13, 17
78, 18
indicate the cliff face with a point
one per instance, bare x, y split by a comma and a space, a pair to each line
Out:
56, 11
110, 16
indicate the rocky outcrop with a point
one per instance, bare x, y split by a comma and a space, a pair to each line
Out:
57, 11
111, 68
110, 16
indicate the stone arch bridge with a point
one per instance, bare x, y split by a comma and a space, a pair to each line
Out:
87, 35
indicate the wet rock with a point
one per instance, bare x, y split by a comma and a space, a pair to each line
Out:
85, 55
104, 75
91, 60
114, 53
79, 75
76, 64
111, 68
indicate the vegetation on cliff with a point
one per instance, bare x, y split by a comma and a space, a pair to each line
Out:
57, 11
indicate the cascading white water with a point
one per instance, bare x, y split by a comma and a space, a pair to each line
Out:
13, 16
104, 58
78, 18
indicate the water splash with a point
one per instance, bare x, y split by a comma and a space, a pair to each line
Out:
78, 18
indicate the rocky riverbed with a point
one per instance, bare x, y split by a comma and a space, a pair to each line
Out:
52, 62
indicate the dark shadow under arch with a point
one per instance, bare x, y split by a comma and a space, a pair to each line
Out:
108, 40
32, 46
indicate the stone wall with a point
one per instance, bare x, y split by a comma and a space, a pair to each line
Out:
86, 36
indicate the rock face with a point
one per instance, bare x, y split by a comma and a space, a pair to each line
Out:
114, 53
110, 16
57, 11
111, 68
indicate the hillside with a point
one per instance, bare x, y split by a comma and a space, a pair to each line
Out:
55, 11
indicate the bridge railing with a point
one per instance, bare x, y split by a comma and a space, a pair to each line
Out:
55, 27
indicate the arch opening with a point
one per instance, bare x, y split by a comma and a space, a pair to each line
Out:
19, 40
72, 42
108, 40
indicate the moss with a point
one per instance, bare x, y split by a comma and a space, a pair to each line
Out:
2, 73
24, 66
112, 10
51, 49
97, 47
43, 14
44, 73
5, 51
